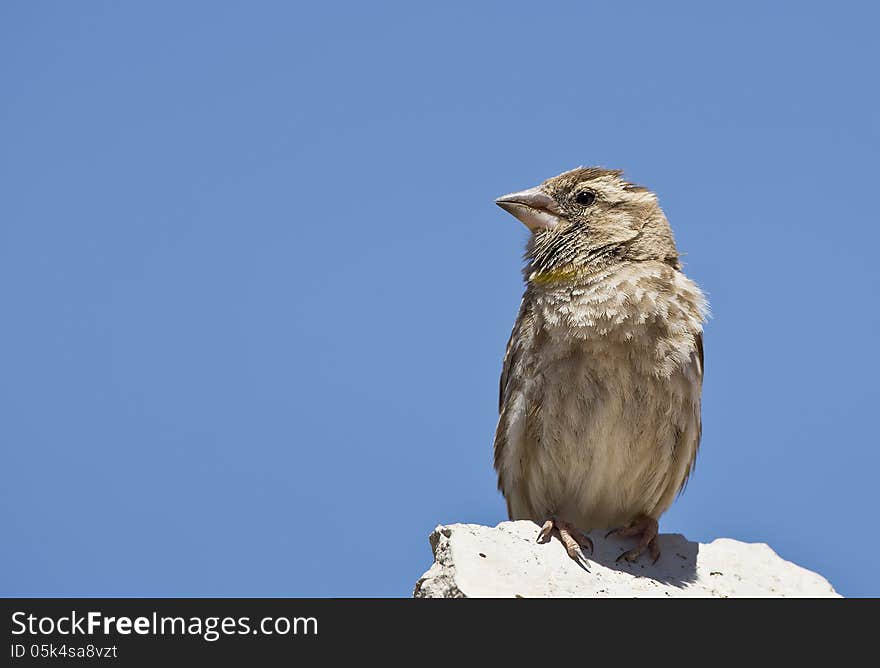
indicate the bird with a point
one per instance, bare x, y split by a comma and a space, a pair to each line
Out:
600, 393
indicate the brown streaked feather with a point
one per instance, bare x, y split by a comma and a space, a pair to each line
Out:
690, 469
511, 355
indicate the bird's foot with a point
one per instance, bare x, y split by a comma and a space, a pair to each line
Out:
573, 540
647, 529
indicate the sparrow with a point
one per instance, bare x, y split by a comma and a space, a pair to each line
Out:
599, 404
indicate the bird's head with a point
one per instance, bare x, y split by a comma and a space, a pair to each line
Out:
587, 218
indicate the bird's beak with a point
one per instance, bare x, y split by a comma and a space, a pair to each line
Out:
533, 207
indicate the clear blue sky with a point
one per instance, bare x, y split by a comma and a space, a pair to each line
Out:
255, 291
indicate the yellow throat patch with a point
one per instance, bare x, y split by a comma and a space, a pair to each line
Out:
554, 275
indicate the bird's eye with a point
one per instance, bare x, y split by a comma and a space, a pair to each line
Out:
585, 197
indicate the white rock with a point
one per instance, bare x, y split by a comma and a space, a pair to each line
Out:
475, 561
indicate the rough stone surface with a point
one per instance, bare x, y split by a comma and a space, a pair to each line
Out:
472, 561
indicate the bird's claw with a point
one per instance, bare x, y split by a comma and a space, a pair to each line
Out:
546, 530
647, 530
579, 558
636, 552
573, 540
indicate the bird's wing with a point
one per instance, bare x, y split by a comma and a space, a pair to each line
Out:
510, 385
698, 359
511, 354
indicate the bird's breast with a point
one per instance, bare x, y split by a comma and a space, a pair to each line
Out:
607, 393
